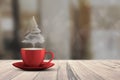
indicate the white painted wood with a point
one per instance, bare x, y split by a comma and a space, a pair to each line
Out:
26, 75
62, 71
79, 72
65, 70
50, 74
104, 71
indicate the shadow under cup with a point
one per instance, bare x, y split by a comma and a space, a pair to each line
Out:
34, 57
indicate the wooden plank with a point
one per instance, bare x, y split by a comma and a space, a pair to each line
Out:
2, 61
50, 74
80, 72
5, 61
62, 71
8, 71
106, 72
65, 70
10, 74
71, 74
5, 66
114, 65
26, 75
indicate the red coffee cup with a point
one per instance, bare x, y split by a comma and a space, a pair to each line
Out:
34, 57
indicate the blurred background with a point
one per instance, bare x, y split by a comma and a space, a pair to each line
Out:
73, 29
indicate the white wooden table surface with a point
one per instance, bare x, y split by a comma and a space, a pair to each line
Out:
65, 70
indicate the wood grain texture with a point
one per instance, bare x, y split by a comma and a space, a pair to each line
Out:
50, 74
65, 70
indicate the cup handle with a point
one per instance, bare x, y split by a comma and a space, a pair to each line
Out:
52, 56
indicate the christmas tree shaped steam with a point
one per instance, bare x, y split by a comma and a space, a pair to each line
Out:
34, 36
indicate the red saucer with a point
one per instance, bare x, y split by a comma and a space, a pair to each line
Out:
42, 67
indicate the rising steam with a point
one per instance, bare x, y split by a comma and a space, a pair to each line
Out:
34, 36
